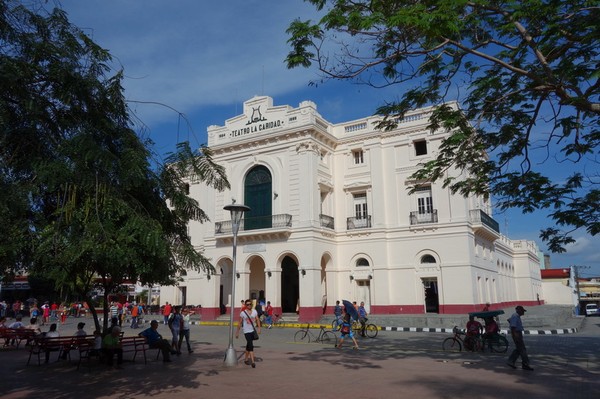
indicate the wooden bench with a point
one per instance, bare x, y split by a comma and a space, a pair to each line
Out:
87, 351
135, 344
16, 336
62, 345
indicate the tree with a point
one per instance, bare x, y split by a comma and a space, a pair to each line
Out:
88, 207
525, 74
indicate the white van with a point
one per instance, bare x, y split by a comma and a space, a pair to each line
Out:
591, 309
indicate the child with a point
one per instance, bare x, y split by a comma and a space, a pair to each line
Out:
346, 330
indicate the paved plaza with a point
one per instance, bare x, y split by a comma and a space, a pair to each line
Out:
395, 364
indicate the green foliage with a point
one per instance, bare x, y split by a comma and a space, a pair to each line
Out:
85, 207
524, 73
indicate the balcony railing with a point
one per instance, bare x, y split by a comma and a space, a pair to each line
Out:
326, 221
479, 216
420, 218
358, 223
254, 223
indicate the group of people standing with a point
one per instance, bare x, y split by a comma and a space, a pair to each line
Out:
178, 320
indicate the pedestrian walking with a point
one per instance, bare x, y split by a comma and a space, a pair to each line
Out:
516, 330
269, 313
185, 330
346, 331
135, 312
250, 322
175, 324
167, 312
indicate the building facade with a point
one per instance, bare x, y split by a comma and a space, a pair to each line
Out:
331, 218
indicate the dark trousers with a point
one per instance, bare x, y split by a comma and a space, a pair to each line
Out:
519, 350
184, 334
363, 324
109, 354
164, 346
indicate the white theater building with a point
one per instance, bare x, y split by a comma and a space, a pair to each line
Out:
331, 218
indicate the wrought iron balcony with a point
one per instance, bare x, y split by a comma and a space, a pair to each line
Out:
420, 218
358, 223
326, 221
480, 217
255, 223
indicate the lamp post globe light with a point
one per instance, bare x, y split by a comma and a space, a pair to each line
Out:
237, 211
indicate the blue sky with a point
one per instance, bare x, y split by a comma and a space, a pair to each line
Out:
205, 58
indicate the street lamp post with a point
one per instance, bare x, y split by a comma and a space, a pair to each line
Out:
237, 211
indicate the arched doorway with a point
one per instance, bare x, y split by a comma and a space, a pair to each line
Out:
325, 260
225, 272
290, 285
257, 195
257, 278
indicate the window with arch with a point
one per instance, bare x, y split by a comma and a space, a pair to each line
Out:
428, 259
362, 262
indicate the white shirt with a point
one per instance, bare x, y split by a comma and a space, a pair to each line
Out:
186, 322
247, 326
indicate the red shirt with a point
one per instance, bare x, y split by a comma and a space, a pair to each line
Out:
167, 310
474, 327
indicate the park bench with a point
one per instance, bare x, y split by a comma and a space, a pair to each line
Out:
135, 344
16, 336
42, 344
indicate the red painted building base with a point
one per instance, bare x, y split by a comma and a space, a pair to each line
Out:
314, 314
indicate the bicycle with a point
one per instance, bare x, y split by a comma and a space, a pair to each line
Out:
456, 343
324, 337
371, 330
496, 342
278, 320
472, 343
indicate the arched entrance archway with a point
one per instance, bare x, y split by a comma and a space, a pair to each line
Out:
225, 272
257, 278
290, 285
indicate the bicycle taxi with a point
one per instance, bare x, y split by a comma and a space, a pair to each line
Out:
492, 338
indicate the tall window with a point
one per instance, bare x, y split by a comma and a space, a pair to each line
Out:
424, 200
360, 206
358, 157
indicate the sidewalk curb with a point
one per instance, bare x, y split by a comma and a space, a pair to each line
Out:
553, 331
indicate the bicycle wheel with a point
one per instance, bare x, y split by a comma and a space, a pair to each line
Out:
451, 345
472, 344
335, 325
498, 344
371, 330
302, 336
329, 338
